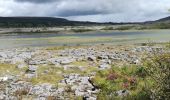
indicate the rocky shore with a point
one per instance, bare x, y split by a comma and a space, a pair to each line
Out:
62, 74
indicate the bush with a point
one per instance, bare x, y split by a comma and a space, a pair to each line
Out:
158, 68
140, 72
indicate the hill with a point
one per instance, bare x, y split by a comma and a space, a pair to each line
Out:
20, 22
40, 22
166, 19
163, 23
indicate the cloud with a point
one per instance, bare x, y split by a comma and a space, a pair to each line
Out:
88, 10
36, 1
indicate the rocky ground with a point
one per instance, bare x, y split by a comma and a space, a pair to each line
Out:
62, 74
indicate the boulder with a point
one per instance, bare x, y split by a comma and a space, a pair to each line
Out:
3, 79
22, 65
123, 93
103, 57
3, 55
2, 95
30, 75
68, 67
37, 62
104, 66
66, 61
16, 60
91, 58
32, 68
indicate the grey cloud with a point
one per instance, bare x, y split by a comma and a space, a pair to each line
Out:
37, 1
67, 13
90, 10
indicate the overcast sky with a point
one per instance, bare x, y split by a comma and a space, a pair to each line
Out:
88, 10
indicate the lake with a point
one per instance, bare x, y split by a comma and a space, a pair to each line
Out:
13, 40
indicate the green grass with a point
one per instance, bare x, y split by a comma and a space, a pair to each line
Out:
53, 76
124, 75
10, 69
85, 65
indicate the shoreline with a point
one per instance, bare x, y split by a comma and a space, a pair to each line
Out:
70, 30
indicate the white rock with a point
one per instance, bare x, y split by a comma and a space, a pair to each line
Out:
30, 75
3, 79
32, 68
123, 92
91, 58
22, 65
104, 66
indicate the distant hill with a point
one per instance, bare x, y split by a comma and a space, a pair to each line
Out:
163, 23
166, 19
40, 22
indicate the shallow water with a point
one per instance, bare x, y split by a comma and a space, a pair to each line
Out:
55, 39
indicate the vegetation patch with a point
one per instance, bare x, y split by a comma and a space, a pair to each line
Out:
10, 69
131, 78
48, 74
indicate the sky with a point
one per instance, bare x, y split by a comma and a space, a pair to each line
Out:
89, 10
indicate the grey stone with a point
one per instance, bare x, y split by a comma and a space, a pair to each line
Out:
91, 58
104, 66
3, 79
32, 68
123, 93
30, 75
22, 65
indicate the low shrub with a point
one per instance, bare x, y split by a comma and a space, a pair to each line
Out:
158, 68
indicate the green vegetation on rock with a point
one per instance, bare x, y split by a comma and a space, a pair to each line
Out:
144, 82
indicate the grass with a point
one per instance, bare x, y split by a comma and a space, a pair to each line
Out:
55, 74
120, 78
78, 40
52, 76
56, 48
10, 69
85, 65
167, 45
